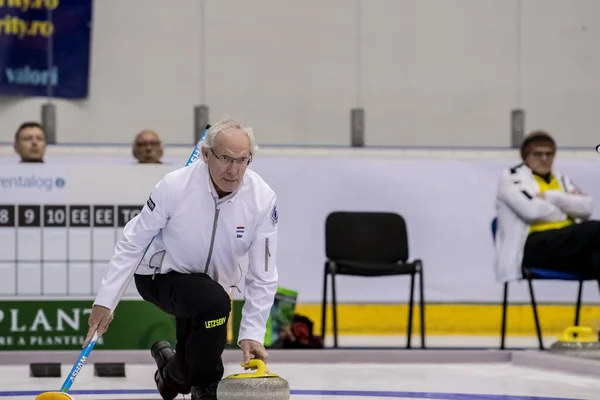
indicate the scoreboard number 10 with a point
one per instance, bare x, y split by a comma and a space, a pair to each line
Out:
55, 217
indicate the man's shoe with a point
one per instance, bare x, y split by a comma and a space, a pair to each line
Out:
165, 391
162, 352
209, 393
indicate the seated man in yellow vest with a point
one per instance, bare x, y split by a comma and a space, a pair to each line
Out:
543, 217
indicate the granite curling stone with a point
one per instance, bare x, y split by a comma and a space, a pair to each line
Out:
576, 338
53, 396
261, 385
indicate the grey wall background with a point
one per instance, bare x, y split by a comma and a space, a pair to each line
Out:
428, 72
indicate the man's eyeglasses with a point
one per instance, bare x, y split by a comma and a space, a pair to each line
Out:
226, 160
148, 143
540, 154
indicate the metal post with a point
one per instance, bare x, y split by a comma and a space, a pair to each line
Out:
49, 109
517, 127
357, 127
200, 121
49, 122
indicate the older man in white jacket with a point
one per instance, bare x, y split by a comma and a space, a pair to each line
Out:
196, 226
543, 217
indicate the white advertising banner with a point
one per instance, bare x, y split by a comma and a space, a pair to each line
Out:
59, 223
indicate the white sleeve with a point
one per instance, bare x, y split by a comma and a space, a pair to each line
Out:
575, 205
129, 251
526, 205
261, 278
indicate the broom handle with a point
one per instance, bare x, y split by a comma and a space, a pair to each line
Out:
83, 356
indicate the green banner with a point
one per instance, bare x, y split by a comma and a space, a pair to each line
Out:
63, 325
282, 313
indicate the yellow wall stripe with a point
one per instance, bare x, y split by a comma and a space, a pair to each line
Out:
451, 319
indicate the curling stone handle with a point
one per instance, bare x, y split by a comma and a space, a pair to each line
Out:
578, 333
257, 364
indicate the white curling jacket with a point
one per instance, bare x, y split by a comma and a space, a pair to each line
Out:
517, 207
196, 232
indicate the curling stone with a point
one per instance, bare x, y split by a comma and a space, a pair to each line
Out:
53, 396
262, 385
576, 338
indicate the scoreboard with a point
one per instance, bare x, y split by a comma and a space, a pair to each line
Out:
59, 224
54, 249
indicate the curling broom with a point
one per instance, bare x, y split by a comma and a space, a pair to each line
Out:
85, 353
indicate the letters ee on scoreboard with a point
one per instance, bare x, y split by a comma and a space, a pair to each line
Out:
58, 249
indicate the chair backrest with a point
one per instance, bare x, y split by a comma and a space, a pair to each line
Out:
494, 227
366, 236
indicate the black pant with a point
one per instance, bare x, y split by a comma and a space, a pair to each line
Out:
575, 249
201, 308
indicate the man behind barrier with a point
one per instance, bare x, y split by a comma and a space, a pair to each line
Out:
203, 218
30, 142
543, 217
147, 147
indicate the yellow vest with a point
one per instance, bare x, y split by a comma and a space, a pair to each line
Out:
542, 225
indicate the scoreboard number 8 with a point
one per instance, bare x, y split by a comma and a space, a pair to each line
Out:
4, 217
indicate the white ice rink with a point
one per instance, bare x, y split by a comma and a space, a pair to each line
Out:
487, 381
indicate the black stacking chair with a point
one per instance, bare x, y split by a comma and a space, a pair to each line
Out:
369, 244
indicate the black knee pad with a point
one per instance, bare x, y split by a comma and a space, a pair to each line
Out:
219, 303
212, 303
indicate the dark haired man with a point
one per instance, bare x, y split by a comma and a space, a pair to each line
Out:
543, 217
30, 142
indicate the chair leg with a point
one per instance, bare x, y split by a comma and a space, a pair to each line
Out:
324, 305
334, 306
504, 309
578, 306
535, 315
410, 311
422, 307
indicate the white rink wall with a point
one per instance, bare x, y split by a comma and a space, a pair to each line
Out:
427, 72
447, 198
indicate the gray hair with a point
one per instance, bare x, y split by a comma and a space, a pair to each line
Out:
210, 139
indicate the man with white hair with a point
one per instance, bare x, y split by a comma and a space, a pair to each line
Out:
195, 226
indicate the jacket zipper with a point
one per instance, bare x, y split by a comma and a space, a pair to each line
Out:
212, 239
267, 255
